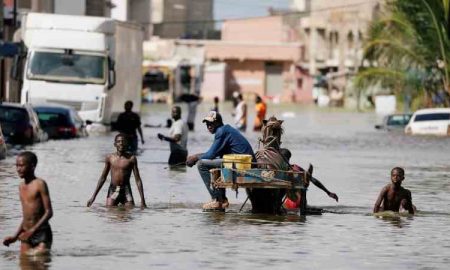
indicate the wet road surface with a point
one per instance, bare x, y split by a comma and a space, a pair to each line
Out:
350, 157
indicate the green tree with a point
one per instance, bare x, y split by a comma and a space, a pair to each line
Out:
408, 49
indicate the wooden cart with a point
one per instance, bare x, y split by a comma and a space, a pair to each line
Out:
257, 179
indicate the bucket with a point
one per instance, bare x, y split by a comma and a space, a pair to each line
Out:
241, 162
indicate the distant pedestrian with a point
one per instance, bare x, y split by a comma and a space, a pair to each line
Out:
216, 105
121, 164
127, 123
178, 135
235, 99
260, 109
192, 112
240, 115
34, 232
394, 197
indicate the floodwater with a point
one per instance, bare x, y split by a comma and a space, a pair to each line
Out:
350, 157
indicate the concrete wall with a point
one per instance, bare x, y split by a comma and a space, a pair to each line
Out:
304, 86
214, 81
249, 77
171, 16
267, 29
245, 77
140, 11
70, 7
96, 8
328, 8
75, 7
333, 33
200, 10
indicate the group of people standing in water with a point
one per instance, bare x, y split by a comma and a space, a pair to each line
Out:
35, 234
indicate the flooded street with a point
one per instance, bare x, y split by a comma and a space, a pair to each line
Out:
351, 158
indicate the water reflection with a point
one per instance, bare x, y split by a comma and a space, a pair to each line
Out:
120, 214
349, 157
399, 220
34, 262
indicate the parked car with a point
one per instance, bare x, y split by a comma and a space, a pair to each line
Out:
430, 122
2, 145
60, 121
394, 121
20, 124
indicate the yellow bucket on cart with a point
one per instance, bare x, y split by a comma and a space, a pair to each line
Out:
241, 162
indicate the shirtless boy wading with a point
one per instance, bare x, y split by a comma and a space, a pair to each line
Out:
394, 197
121, 165
34, 232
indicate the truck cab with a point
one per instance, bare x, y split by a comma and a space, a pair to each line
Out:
71, 77
73, 60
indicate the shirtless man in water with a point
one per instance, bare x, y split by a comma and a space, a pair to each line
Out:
34, 232
121, 165
393, 196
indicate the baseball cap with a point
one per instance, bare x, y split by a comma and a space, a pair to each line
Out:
212, 117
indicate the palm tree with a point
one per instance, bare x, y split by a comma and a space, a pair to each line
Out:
408, 48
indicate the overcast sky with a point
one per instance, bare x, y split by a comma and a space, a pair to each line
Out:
232, 9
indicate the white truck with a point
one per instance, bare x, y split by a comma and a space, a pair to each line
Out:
93, 64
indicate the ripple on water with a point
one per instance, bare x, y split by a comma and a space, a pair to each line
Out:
350, 158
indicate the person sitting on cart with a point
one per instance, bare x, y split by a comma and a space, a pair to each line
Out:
293, 203
227, 140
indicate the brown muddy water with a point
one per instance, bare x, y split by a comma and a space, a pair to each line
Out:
350, 157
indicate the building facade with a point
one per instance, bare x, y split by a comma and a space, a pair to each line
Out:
182, 18
333, 33
138, 11
259, 62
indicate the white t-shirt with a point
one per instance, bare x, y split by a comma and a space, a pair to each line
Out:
240, 118
179, 127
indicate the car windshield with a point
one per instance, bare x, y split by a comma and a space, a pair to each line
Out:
67, 66
432, 117
398, 120
12, 115
49, 119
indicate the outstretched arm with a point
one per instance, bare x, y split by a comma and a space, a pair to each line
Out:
319, 184
380, 199
101, 181
176, 138
139, 185
48, 211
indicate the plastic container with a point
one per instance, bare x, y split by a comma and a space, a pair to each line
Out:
241, 162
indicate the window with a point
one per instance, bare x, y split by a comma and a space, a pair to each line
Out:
12, 115
432, 117
67, 67
52, 119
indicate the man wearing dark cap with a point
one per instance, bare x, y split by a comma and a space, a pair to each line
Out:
227, 140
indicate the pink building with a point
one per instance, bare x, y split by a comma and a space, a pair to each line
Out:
261, 58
